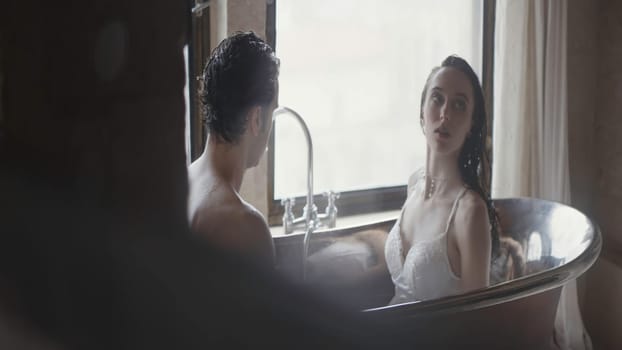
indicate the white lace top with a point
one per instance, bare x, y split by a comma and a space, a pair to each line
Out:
425, 272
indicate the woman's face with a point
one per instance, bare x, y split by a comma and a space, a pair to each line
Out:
448, 111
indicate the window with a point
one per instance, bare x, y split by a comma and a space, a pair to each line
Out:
354, 70
196, 53
534, 247
187, 100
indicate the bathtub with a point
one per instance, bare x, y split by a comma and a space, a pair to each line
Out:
555, 244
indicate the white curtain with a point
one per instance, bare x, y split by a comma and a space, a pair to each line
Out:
531, 123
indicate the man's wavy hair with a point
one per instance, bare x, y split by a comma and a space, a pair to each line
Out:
473, 160
241, 73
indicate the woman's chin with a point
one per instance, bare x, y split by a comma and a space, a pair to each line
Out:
444, 148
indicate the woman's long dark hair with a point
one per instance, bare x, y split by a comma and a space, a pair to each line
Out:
473, 160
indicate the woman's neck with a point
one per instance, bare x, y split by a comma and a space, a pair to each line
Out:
442, 174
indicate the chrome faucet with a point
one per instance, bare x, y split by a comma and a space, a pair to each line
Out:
326, 219
310, 219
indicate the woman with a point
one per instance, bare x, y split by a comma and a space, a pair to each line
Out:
443, 241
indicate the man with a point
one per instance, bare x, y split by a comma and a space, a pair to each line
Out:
76, 272
238, 95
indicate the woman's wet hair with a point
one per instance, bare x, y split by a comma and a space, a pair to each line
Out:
473, 160
241, 73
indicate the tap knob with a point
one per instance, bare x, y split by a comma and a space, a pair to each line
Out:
331, 207
288, 215
331, 196
288, 203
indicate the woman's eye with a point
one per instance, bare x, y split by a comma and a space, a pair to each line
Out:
460, 105
436, 98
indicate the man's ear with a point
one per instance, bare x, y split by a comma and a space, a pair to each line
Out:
254, 120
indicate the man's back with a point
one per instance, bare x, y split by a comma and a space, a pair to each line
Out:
218, 214
238, 95
84, 285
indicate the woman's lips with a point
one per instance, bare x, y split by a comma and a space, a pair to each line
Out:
442, 133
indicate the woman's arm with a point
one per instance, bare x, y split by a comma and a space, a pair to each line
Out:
472, 229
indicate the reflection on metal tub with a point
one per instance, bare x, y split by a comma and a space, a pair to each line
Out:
544, 245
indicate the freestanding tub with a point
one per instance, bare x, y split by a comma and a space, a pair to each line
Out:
556, 244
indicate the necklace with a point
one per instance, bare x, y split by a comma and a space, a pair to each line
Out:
429, 191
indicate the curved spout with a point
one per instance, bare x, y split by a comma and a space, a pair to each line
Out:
309, 212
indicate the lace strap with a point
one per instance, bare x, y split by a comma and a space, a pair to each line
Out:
453, 208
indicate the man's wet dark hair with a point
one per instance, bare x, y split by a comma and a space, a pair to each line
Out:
241, 73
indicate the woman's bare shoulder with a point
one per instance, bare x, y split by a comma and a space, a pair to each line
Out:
472, 215
414, 178
472, 201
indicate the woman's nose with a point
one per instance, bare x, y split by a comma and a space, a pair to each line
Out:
444, 114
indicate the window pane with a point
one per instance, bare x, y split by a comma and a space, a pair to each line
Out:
187, 100
354, 70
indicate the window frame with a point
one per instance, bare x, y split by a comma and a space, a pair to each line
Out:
379, 198
199, 49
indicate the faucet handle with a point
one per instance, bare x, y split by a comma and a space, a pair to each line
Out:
331, 208
288, 204
332, 196
288, 215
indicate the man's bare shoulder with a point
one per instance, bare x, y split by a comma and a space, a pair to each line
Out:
217, 212
237, 226
250, 219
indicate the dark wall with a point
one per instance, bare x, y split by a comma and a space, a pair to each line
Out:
595, 126
603, 285
94, 245
91, 153
93, 103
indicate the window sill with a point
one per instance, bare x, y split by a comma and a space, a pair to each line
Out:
349, 221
